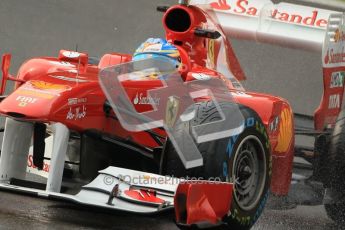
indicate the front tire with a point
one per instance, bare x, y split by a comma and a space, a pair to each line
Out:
243, 160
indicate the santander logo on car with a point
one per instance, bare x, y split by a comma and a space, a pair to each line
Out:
282, 12
334, 45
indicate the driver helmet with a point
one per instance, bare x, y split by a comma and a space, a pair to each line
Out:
157, 47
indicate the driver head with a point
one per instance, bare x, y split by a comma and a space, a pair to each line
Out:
157, 47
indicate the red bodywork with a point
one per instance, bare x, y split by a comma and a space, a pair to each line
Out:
198, 201
66, 89
331, 103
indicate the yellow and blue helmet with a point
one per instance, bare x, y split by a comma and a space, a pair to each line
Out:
157, 47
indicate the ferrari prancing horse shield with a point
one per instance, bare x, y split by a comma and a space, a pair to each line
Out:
171, 112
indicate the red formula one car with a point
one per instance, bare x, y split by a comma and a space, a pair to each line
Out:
106, 132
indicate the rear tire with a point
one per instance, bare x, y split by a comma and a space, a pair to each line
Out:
336, 165
244, 158
336, 212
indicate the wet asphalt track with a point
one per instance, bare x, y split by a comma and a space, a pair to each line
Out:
42, 27
19, 212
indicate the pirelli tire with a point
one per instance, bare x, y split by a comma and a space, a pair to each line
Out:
336, 162
244, 160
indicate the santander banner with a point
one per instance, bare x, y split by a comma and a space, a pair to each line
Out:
284, 24
284, 12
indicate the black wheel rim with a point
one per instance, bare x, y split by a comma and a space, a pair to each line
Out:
249, 173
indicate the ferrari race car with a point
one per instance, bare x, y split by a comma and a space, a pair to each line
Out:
171, 126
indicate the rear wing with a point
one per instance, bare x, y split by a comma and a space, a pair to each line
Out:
283, 24
293, 26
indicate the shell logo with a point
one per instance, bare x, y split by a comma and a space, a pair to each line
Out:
49, 86
285, 131
211, 52
339, 35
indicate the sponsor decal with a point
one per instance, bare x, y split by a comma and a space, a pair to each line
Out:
339, 35
141, 100
42, 85
30, 92
24, 100
248, 220
172, 108
273, 126
143, 195
334, 47
76, 101
241, 94
211, 53
149, 47
77, 113
201, 76
31, 168
243, 220
244, 7
250, 122
220, 5
71, 54
72, 79
337, 80
62, 63
334, 101
298, 19
261, 128
335, 57
31, 165
145, 75
236, 84
285, 131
